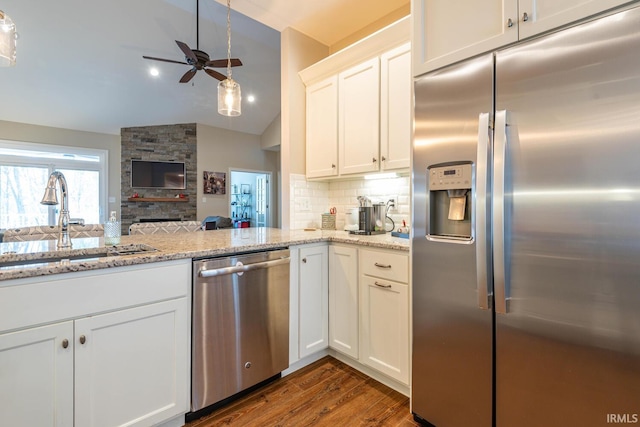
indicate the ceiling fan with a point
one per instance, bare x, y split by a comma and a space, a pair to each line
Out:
198, 59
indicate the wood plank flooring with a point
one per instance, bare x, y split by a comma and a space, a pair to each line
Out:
325, 393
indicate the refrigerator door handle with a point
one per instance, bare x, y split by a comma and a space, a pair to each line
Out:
483, 261
498, 212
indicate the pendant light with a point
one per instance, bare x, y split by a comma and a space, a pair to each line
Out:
8, 38
229, 95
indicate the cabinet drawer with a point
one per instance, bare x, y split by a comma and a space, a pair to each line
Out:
386, 265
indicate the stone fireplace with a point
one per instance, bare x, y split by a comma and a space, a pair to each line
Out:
177, 143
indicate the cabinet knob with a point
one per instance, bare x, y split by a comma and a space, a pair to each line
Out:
525, 17
333, 166
374, 160
383, 158
83, 339
509, 22
65, 343
304, 260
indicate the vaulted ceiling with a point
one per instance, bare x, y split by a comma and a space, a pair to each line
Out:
80, 62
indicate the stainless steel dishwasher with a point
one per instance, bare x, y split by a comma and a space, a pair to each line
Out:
240, 324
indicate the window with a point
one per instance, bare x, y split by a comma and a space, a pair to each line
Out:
24, 171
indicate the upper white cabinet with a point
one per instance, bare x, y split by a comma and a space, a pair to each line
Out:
322, 128
396, 106
359, 118
537, 16
446, 32
372, 104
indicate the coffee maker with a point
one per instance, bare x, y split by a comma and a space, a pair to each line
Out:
371, 217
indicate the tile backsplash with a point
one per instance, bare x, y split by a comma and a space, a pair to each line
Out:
310, 199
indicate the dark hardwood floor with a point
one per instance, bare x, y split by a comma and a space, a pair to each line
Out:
325, 393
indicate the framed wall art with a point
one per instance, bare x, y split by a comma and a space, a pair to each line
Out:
214, 182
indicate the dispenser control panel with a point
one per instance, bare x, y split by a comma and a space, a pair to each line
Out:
450, 177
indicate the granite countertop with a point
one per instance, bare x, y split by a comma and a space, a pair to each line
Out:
169, 247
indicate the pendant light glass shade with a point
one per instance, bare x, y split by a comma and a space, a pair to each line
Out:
229, 94
229, 98
8, 38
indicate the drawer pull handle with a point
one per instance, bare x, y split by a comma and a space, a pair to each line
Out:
382, 265
381, 285
83, 339
65, 343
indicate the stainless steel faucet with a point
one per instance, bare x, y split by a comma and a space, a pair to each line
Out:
51, 198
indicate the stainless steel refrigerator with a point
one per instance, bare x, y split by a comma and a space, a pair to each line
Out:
526, 233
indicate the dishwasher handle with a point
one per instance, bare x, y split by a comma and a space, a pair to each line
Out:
240, 268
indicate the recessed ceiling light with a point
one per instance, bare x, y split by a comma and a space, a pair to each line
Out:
251, 98
154, 72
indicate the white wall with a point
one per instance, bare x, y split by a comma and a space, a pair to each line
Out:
221, 149
13, 131
272, 135
298, 51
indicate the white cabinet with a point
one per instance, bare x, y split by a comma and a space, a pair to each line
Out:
132, 360
322, 128
396, 105
114, 348
537, 16
445, 33
384, 313
343, 299
359, 118
313, 299
36, 376
370, 118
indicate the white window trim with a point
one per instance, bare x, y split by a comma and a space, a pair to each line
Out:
102, 166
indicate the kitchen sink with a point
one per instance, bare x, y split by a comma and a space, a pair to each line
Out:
74, 255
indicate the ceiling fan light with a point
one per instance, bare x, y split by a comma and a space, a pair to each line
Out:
229, 98
8, 38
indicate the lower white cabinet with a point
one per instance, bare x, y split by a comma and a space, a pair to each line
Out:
129, 366
384, 313
313, 294
343, 299
122, 358
36, 376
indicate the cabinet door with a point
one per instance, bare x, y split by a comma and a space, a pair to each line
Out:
446, 32
322, 128
359, 118
384, 333
314, 299
132, 366
537, 16
396, 104
36, 376
343, 300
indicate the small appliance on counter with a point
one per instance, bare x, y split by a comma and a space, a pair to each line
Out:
351, 219
371, 217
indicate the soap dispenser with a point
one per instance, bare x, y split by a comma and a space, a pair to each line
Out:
112, 230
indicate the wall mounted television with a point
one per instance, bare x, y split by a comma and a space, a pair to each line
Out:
154, 174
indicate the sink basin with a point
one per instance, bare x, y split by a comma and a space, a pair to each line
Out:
73, 255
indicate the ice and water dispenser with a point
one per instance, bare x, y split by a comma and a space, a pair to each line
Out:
450, 202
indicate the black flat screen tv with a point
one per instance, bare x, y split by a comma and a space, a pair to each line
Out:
152, 174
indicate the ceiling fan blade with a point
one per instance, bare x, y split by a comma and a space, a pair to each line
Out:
187, 51
164, 60
188, 75
219, 63
215, 74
